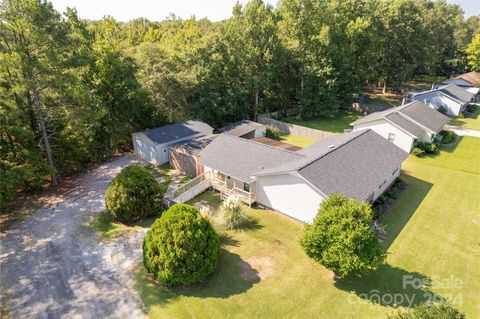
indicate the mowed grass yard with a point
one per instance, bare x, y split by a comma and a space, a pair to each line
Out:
472, 122
432, 233
335, 124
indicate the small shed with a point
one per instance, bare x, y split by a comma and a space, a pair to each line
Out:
245, 128
152, 145
183, 156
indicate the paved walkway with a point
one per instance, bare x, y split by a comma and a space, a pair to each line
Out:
461, 131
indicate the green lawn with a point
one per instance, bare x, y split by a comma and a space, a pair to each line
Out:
432, 233
472, 122
296, 140
336, 124
424, 82
107, 227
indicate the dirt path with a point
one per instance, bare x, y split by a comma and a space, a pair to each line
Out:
54, 265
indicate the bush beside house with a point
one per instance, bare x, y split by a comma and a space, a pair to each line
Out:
447, 137
133, 194
181, 248
341, 238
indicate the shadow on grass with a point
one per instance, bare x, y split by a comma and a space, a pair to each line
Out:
390, 286
232, 276
404, 207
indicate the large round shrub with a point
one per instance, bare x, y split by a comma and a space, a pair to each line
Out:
181, 248
133, 194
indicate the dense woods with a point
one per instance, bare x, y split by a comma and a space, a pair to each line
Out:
72, 90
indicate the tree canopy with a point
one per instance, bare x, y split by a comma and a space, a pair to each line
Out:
341, 238
72, 90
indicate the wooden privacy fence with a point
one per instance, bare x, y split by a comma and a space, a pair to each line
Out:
293, 129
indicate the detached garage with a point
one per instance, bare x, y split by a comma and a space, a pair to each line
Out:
152, 145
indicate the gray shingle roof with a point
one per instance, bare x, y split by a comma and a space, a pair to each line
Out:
412, 114
241, 127
241, 158
425, 116
177, 131
353, 164
405, 124
357, 167
194, 146
457, 92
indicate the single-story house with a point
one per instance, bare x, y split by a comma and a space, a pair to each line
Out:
405, 125
152, 145
358, 164
452, 97
245, 128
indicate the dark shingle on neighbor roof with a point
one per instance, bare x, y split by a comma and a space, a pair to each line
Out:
241, 158
416, 113
241, 127
177, 131
457, 92
357, 167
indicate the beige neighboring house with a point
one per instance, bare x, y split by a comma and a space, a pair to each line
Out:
405, 125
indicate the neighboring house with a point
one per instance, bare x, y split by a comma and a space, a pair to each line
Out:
452, 97
472, 78
152, 145
405, 125
245, 128
358, 164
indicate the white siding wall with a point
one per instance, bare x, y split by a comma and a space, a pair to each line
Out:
383, 128
382, 188
435, 100
144, 148
156, 154
289, 194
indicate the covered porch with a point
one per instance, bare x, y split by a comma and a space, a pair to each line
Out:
228, 185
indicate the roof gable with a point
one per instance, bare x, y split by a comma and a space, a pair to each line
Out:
356, 168
242, 158
457, 92
414, 117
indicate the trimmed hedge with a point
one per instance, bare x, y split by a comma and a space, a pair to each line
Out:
181, 248
447, 137
429, 148
133, 194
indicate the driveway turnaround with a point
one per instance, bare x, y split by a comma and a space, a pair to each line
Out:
54, 265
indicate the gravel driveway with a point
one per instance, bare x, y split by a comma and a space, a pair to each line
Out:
54, 265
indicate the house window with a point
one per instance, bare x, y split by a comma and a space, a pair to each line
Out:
246, 187
391, 137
